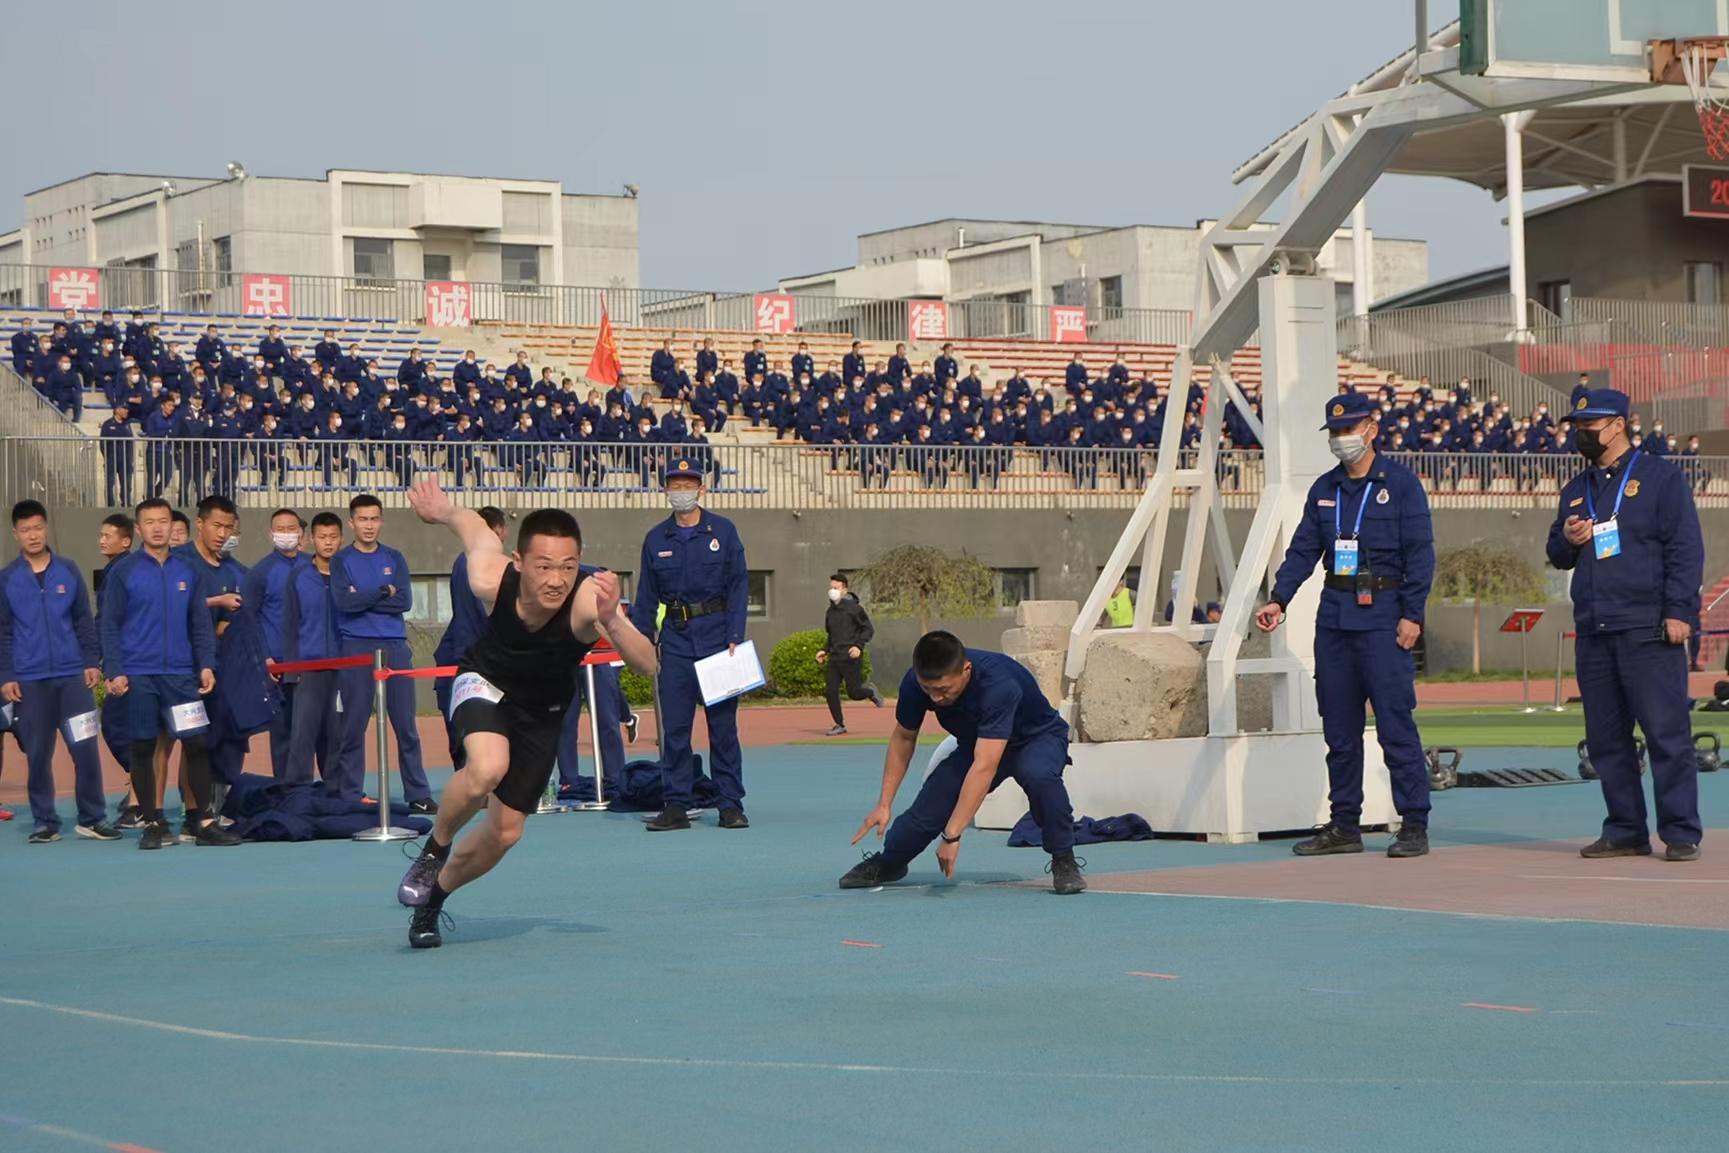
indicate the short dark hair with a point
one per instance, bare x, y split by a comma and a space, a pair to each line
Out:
492, 515
216, 502
326, 520
840, 578
120, 523
300, 520
178, 517
938, 654
548, 522
153, 502
364, 500
27, 510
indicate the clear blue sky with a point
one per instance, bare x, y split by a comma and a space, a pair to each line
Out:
765, 136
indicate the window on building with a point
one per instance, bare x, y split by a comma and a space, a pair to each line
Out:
431, 600
1557, 297
521, 263
1110, 292
222, 260
756, 604
1057, 294
1704, 282
1014, 585
436, 267
374, 258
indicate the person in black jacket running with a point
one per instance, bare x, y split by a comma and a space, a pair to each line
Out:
849, 631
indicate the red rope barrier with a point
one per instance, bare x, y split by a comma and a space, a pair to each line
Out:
599, 655
327, 665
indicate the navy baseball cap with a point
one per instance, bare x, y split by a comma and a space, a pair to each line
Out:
1347, 409
1600, 402
682, 467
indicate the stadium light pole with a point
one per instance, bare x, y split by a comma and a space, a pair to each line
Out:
1513, 124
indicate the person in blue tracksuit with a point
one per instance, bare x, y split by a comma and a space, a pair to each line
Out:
1368, 519
117, 456
264, 593
309, 634
370, 583
610, 709
159, 653
220, 577
467, 622
114, 542
1628, 530
693, 563
1004, 728
49, 665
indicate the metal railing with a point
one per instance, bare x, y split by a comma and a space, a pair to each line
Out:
76, 470
1661, 321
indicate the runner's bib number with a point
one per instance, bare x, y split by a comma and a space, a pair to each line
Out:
81, 727
189, 718
472, 686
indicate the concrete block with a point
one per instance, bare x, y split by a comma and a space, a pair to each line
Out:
1047, 669
1047, 614
1035, 639
1141, 687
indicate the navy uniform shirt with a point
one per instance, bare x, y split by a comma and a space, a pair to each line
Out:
1397, 540
702, 563
1002, 701
1662, 561
46, 629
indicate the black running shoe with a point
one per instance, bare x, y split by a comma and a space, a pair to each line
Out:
871, 872
1681, 851
836, 731
1329, 840
100, 831
1065, 874
1604, 847
131, 817
1410, 841
215, 834
423, 928
415, 888
44, 836
188, 831
876, 696
157, 835
425, 808
669, 819
631, 724
734, 819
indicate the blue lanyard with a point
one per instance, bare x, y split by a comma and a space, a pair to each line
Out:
1339, 499
1591, 483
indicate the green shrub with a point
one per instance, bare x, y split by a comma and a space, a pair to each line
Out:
792, 667
638, 689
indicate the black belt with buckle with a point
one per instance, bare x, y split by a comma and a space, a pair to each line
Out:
1349, 583
684, 613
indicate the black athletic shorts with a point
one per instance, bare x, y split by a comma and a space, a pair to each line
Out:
533, 736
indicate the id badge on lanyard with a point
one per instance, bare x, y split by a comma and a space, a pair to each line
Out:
1347, 552
1606, 535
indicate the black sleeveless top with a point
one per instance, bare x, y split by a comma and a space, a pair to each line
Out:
535, 670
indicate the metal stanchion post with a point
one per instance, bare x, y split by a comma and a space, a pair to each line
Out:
1525, 665
381, 717
1560, 640
599, 803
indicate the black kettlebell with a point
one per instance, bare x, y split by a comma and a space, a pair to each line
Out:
1443, 767
1708, 752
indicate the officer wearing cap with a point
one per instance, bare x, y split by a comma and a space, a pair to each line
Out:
693, 566
1367, 520
1628, 530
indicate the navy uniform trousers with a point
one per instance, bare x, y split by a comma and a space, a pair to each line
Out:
41, 719
679, 697
1037, 767
1634, 676
608, 709
355, 685
1357, 668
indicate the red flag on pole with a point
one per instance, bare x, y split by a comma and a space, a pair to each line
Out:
604, 366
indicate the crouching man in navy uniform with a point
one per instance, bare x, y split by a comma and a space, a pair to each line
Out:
1367, 520
1004, 727
1628, 530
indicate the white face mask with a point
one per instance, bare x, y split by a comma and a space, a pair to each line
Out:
1348, 448
232, 544
683, 501
285, 541
835, 595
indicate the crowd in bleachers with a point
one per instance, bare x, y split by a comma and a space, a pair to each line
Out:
281, 404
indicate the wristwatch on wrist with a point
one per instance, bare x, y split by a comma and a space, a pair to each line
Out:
948, 840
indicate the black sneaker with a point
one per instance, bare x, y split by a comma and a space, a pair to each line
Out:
215, 834
1681, 851
157, 835
1331, 839
44, 836
423, 928
667, 820
1604, 847
631, 724
188, 831
871, 872
734, 819
1410, 841
425, 808
415, 888
836, 731
876, 696
100, 831
1065, 874
131, 817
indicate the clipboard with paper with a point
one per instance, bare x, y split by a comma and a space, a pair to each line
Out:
726, 675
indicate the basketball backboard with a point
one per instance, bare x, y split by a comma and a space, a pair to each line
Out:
1588, 40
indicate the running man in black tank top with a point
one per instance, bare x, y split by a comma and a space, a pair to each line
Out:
512, 689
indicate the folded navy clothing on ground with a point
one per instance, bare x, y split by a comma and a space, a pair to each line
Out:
265, 809
1088, 831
